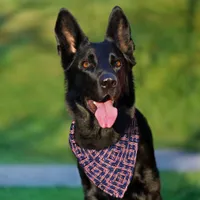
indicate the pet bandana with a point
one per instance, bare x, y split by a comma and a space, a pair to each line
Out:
110, 169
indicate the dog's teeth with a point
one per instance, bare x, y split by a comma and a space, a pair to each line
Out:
94, 102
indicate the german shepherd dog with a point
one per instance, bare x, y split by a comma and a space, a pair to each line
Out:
100, 96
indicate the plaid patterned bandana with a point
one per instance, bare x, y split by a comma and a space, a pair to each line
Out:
110, 169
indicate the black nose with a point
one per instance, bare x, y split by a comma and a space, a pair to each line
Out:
108, 81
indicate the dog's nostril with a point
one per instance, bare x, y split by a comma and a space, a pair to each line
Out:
108, 81
104, 83
113, 83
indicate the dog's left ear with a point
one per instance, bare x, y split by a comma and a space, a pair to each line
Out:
119, 31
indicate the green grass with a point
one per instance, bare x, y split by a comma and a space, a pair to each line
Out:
34, 124
41, 193
176, 186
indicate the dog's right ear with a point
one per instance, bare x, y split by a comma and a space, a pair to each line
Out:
69, 36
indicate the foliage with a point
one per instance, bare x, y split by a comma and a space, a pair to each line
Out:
33, 121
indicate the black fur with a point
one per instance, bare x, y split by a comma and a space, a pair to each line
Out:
83, 84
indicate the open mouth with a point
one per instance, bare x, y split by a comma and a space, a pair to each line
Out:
92, 105
104, 111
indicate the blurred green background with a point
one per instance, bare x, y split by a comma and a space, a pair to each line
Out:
34, 124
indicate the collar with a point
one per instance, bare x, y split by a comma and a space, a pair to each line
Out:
110, 169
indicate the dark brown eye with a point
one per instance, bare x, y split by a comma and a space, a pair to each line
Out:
118, 63
85, 64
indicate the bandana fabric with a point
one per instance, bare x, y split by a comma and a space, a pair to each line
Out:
110, 169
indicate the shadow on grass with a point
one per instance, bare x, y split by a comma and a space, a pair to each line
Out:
35, 140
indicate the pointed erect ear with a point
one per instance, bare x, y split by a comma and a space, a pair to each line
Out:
69, 35
119, 31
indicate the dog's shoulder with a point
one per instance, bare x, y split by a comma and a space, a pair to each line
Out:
144, 128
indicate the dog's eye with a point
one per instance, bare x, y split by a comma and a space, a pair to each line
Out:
118, 63
85, 64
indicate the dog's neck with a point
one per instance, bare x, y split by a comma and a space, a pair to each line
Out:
91, 136
95, 137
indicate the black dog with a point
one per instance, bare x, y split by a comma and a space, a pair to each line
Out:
100, 95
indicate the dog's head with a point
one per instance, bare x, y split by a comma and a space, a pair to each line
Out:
98, 75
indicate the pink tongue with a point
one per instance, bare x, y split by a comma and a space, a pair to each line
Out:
106, 114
